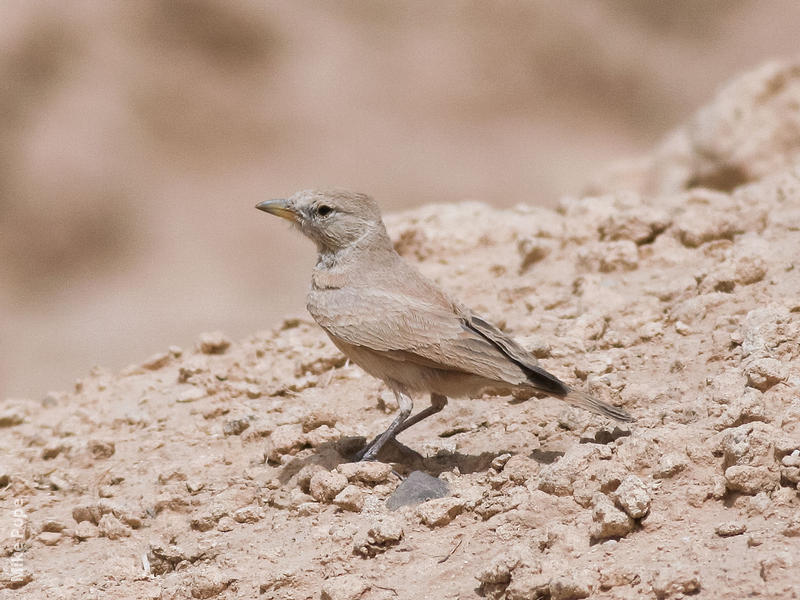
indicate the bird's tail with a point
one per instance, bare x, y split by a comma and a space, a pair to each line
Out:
585, 401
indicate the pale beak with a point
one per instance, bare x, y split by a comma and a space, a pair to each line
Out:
279, 208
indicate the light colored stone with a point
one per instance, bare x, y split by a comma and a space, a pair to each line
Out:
558, 478
209, 582
633, 497
670, 465
613, 575
322, 435
750, 444
350, 498
745, 408
749, 269
325, 485
638, 224
248, 514
610, 522
571, 586
499, 569
369, 472
49, 538
226, 524
749, 130
378, 535
191, 395
750, 480
85, 530
701, 224
607, 257
285, 439
344, 587
306, 473
790, 467
764, 372
676, 581
439, 512
730, 528
318, 418
112, 528
203, 522
527, 583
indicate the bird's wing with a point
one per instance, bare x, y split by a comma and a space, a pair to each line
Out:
430, 332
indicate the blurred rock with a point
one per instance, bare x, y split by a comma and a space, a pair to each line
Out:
750, 129
571, 586
213, 343
248, 514
607, 257
344, 587
85, 530
235, 426
208, 583
9, 418
707, 218
112, 528
156, 361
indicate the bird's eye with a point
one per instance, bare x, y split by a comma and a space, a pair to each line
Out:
323, 210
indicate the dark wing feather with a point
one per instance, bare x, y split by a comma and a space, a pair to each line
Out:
537, 376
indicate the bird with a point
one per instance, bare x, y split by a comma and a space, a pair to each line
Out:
399, 326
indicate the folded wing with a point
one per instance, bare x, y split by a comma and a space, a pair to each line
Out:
432, 333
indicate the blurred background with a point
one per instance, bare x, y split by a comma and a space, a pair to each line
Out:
135, 138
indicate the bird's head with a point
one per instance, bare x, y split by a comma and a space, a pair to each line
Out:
335, 220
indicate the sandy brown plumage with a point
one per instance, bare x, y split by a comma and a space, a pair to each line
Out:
399, 326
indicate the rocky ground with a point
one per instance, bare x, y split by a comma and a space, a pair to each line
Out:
673, 289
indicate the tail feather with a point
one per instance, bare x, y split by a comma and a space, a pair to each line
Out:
585, 401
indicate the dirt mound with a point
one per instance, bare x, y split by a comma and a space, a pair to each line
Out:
221, 471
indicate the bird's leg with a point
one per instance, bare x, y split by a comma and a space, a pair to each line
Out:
438, 402
406, 404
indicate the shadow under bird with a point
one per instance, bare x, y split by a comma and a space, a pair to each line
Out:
400, 327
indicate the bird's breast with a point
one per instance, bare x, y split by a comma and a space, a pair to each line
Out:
325, 279
326, 305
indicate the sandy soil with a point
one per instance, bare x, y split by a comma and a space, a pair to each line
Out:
220, 471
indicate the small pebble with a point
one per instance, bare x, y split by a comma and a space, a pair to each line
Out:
730, 528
